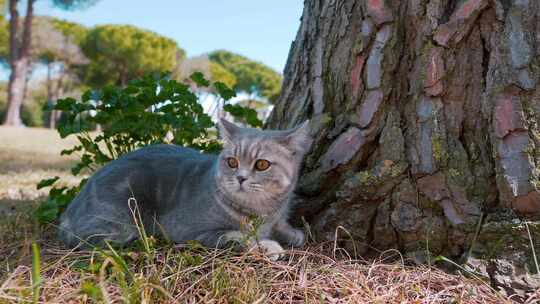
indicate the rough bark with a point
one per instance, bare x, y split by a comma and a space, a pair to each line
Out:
19, 61
425, 117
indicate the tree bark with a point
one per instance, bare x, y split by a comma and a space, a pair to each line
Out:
425, 121
19, 62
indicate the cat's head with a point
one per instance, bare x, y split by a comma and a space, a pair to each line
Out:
258, 169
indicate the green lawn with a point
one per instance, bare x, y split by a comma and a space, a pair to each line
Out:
167, 273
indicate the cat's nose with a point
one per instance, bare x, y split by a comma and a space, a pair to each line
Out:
241, 179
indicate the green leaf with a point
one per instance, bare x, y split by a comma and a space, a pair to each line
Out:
47, 211
224, 91
92, 290
64, 104
71, 151
36, 272
199, 79
244, 114
143, 113
47, 182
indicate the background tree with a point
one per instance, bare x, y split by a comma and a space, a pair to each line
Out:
119, 53
252, 77
425, 117
210, 70
4, 35
56, 44
240, 73
19, 53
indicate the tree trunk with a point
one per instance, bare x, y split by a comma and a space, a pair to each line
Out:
424, 115
50, 121
17, 80
19, 58
53, 93
58, 93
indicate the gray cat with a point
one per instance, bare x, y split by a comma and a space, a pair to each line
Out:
185, 195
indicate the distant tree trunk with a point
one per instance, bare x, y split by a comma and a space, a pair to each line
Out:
58, 93
27, 77
55, 89
425, 116
123, 81
51, 122
19, 60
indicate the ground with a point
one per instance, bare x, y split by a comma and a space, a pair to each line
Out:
154, 271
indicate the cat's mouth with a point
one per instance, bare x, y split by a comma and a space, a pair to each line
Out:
245, 188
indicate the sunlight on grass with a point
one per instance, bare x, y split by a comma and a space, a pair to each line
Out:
31, 154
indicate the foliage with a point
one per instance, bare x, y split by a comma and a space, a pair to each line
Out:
75, 31
252, 77
245, 114
219, 73
74, 4
31, 110
209, 69
32, 113
55, 40
151, 110
4, 41
119, 53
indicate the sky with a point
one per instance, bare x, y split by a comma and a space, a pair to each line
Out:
260, 30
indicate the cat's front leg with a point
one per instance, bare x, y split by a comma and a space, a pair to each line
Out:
226, 238
240, 242
235, 238
288, 234
269, 248
222, 239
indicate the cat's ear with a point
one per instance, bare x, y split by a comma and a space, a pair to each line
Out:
227, 130
298, 139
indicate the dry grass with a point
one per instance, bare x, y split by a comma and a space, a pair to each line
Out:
28, 155
197, 275
166, 273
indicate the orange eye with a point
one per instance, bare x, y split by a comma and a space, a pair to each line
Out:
232, 162
262, 164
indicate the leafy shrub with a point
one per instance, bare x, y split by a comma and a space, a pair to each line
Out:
31, 113
151, 110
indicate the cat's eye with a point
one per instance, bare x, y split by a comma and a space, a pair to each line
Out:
262, 164
232, 162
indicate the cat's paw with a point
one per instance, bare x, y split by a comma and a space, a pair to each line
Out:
298, 238
269, 248
233, 239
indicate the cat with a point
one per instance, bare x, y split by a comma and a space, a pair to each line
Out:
182, 194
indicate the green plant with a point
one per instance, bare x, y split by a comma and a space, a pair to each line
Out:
151, 110
36, 273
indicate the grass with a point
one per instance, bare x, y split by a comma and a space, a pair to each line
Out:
35, 268
28, 155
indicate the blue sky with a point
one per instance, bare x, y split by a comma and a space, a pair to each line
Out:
261, 30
